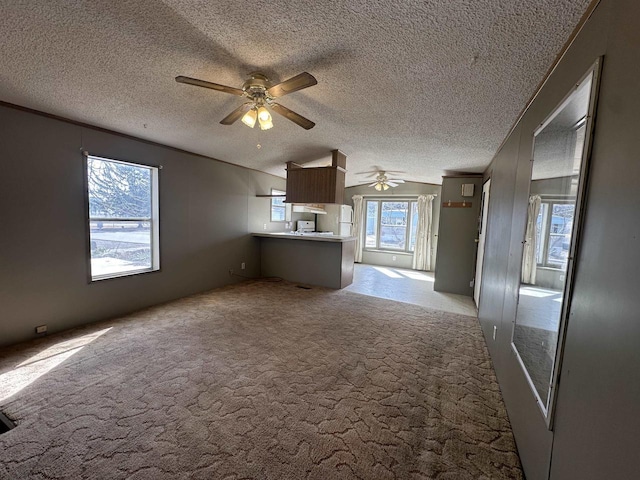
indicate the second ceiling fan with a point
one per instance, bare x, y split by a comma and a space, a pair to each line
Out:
260, 94
383, 182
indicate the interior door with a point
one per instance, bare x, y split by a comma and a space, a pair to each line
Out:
481, 240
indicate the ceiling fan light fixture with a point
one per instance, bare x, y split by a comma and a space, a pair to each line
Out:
382, 182
260, 92
249, 118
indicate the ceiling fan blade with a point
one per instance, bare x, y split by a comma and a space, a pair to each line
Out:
375, 173
212, 86
391, 184
294, 84
293, 116
373, 184
236, 114
396, 180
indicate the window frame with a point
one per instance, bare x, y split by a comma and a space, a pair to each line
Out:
412, 204
546, 210
153, 219
279, 193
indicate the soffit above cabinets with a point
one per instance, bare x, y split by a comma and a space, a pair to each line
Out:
317, 184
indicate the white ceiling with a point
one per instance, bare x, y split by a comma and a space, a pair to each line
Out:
424, 87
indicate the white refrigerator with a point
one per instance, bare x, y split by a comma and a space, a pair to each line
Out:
339, 220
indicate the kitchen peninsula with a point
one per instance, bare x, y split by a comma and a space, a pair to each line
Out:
311, 258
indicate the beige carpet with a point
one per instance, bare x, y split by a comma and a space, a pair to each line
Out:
259, 381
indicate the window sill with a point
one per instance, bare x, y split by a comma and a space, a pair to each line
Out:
551, 269
391, 252
121, 275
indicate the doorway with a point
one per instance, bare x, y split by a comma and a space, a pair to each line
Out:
481, 241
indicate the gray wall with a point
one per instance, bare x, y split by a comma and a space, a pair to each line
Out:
408, 189
595, 434
456, 259
207, 209
304, 261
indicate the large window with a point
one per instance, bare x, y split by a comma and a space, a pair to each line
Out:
278, 207
553, 233
391, 225
123, 218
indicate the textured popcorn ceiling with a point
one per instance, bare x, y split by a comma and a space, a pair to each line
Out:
418, 86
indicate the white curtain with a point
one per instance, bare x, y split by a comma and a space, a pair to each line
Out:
422, 252
529, 253
358, 219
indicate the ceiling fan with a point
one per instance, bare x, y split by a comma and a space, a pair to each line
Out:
261, 95
383, 182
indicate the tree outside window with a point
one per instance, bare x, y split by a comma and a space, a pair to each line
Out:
553, 233
123, 219
391, 225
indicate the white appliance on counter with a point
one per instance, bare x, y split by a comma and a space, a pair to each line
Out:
339, 220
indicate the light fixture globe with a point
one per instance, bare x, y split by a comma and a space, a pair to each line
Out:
266, 125
263, 114
249, 118
264, 117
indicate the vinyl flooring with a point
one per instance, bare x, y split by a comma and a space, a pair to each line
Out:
408, 286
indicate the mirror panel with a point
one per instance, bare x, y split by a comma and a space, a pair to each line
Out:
557, 179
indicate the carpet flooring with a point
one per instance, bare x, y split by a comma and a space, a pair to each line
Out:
259, 380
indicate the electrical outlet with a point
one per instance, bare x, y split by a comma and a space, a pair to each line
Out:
41, 329
242, 266
495, 330
264, 226
393, 258
230, 272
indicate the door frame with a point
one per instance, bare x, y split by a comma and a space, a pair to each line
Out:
482, 241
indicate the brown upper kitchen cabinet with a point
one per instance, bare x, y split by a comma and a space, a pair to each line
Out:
318, 184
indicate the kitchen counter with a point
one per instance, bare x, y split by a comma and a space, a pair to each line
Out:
310, 258
314, 236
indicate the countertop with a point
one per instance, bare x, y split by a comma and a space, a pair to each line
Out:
316, 237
